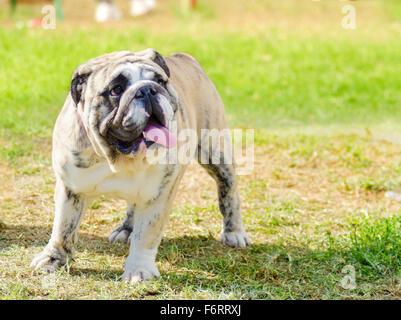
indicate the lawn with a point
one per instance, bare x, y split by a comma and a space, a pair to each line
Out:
325, 105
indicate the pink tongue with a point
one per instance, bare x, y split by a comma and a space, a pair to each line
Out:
160, 135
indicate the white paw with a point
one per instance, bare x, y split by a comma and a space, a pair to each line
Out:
236, 238
49, 260
121, 234
139, 272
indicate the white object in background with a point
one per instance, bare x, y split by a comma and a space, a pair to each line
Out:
393, 195
107, 11
141, 7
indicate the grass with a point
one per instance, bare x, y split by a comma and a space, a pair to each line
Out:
325, 105
302, 233
376, 246
270, 78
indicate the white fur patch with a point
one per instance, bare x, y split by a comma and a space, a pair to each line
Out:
135, 182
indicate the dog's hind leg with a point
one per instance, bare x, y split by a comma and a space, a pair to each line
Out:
225, 176
123, 232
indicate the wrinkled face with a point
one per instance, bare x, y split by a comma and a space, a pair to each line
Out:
131, 105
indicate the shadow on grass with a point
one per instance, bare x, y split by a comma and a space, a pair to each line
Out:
37, 236
200, 263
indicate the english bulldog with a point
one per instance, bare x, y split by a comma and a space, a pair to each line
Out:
122, 107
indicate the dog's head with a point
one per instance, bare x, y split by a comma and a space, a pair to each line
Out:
125, 101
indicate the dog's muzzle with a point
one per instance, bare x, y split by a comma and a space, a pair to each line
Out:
142, 120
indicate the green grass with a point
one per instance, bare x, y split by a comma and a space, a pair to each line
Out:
325, 103
272, 79
376, 246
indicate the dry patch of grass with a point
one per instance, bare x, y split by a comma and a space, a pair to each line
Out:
300, 203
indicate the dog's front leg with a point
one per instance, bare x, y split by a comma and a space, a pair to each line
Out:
69, 211
145, 239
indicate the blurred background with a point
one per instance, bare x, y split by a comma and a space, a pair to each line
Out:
276, 63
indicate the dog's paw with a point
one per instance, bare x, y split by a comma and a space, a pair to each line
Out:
121, 234
49, 260
140, 272
237, 238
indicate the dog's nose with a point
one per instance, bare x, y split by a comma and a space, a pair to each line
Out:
145, 92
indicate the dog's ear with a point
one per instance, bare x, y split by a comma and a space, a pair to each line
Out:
156, 57
77, 86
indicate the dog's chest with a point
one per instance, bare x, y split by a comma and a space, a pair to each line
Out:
136, 185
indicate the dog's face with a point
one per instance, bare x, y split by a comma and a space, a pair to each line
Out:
126, 101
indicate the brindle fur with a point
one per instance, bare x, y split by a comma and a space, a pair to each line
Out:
87, 164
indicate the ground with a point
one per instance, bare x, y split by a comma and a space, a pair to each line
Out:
325, 105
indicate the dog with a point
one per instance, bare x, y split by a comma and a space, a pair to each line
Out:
120, 107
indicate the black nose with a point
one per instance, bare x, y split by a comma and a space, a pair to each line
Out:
145, 91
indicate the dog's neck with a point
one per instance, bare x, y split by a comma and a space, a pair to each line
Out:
80, 121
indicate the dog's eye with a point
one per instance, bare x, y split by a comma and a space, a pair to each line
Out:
161, 81
116, 91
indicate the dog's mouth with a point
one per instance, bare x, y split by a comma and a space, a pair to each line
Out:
153, 133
